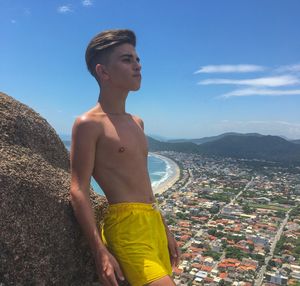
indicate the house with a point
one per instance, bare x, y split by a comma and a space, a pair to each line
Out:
201, 274
276, 278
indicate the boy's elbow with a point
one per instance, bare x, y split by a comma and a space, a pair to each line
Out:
72, 197
76, 194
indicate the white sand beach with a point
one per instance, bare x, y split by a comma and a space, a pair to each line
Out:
173, 176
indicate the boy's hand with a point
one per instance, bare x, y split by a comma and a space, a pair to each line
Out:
173, 249
107, 266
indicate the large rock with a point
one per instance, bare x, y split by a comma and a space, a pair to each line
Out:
41, 242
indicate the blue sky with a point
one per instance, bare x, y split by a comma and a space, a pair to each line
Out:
208, 66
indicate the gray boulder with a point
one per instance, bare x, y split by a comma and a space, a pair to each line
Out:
41, 242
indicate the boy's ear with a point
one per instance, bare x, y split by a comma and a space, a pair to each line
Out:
101, 72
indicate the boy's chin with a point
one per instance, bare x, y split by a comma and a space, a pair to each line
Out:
135, 88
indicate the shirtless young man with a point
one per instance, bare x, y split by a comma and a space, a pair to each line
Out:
110, 145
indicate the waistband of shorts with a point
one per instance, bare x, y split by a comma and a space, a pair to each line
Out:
129, 206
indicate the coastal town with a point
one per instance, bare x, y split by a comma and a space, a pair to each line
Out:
237, 222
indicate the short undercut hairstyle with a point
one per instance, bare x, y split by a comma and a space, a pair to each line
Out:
103, 44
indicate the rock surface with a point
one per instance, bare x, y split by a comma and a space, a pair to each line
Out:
40, 240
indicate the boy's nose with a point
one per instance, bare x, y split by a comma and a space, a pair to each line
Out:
138, 67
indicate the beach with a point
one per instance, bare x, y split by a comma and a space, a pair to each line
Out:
171, 177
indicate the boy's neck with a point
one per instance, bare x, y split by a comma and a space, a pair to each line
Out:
113, 102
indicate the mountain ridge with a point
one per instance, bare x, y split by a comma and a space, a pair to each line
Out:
216, 137
247, 146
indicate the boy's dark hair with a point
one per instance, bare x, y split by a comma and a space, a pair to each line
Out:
102, 45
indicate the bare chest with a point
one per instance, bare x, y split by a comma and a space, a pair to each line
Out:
122, 141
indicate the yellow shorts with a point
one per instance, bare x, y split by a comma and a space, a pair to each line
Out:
135, 234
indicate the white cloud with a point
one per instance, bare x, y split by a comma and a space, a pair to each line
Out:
27, 12
13, 21
258, 86
289, 68
64, 9
262, 81
87, 3
230, 69
261, 92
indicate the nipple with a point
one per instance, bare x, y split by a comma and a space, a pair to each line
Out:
121, 149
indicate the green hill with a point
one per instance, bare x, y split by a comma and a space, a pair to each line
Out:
245, 146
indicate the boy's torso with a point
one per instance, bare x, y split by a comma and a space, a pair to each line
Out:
120, 166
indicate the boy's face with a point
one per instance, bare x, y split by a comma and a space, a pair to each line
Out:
123, 70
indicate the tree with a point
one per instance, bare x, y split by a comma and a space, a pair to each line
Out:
247, 209
280, 214
180, 215
272, 263
232, 252
214, 210
215, 255
212, 231
251, 247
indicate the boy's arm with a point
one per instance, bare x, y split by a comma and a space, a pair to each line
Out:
84, 139
172, 245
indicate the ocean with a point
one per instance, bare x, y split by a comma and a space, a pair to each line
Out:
159, 171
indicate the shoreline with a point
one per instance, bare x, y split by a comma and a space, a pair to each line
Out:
172, 179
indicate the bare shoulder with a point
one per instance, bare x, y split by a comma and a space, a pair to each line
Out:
138, 120
85, 133
87, 125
